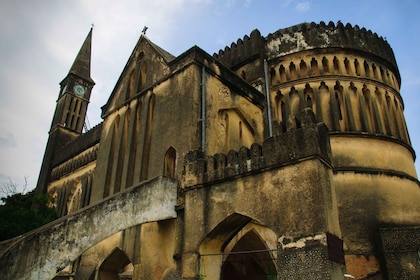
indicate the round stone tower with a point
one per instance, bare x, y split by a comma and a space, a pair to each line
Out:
350, 79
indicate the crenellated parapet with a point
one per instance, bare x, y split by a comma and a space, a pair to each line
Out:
294, 140
307, 36
244, 50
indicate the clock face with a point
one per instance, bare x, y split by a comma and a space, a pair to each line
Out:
79, 90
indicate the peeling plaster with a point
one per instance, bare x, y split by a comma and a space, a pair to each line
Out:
301, 42
287, 242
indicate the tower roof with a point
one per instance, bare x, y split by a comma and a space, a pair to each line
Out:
81, 64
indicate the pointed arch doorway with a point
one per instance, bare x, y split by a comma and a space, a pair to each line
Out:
116, 266
238, 249
249, 259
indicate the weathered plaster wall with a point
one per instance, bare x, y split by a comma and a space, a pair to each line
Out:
293, 201
48, 250
372, 154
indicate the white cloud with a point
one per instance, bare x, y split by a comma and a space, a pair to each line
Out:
302, 7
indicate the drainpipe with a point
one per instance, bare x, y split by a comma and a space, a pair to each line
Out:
203, 110
267, 94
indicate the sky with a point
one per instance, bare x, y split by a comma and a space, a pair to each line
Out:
40, 39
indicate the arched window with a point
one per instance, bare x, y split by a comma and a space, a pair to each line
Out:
382, 74
367, 69
142, 77
314, 66
280, 107
282, 72
354, 115
112, 155
169, 165
273, 76
147, 138
379, 112
303, 69
357, 67
53, 201
325, 66
294, 102
309, 98
339, 100
347, 66
75, 199
325, 106
292, 70
336, 65
375, 71
369, 114
133, 149
121, 154
131, 86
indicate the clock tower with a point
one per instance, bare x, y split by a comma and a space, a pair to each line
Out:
75, 90
70, 112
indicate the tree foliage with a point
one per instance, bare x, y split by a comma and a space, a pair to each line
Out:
20, 213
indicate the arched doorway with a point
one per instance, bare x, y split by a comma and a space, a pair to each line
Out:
249, 259
238, 248
116, 266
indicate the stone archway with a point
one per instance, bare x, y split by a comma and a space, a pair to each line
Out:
249, 259
39, 254
116, 266
238, 248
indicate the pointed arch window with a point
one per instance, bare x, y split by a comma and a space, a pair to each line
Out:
367, 69
131, 85
347, 66
142, 77
314, 66
169, 165
336, 65
357, 67
282, 72
75, 199
273, 75
325, 66
292, 70
303, 69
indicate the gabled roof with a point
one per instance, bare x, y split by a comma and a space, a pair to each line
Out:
167, 57
192, 55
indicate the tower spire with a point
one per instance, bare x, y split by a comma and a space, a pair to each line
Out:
81, 64
70, 111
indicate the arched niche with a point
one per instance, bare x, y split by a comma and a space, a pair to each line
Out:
169, 164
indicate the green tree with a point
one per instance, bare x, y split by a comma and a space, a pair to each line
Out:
20, 213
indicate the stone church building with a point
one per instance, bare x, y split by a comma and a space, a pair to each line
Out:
284, 156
